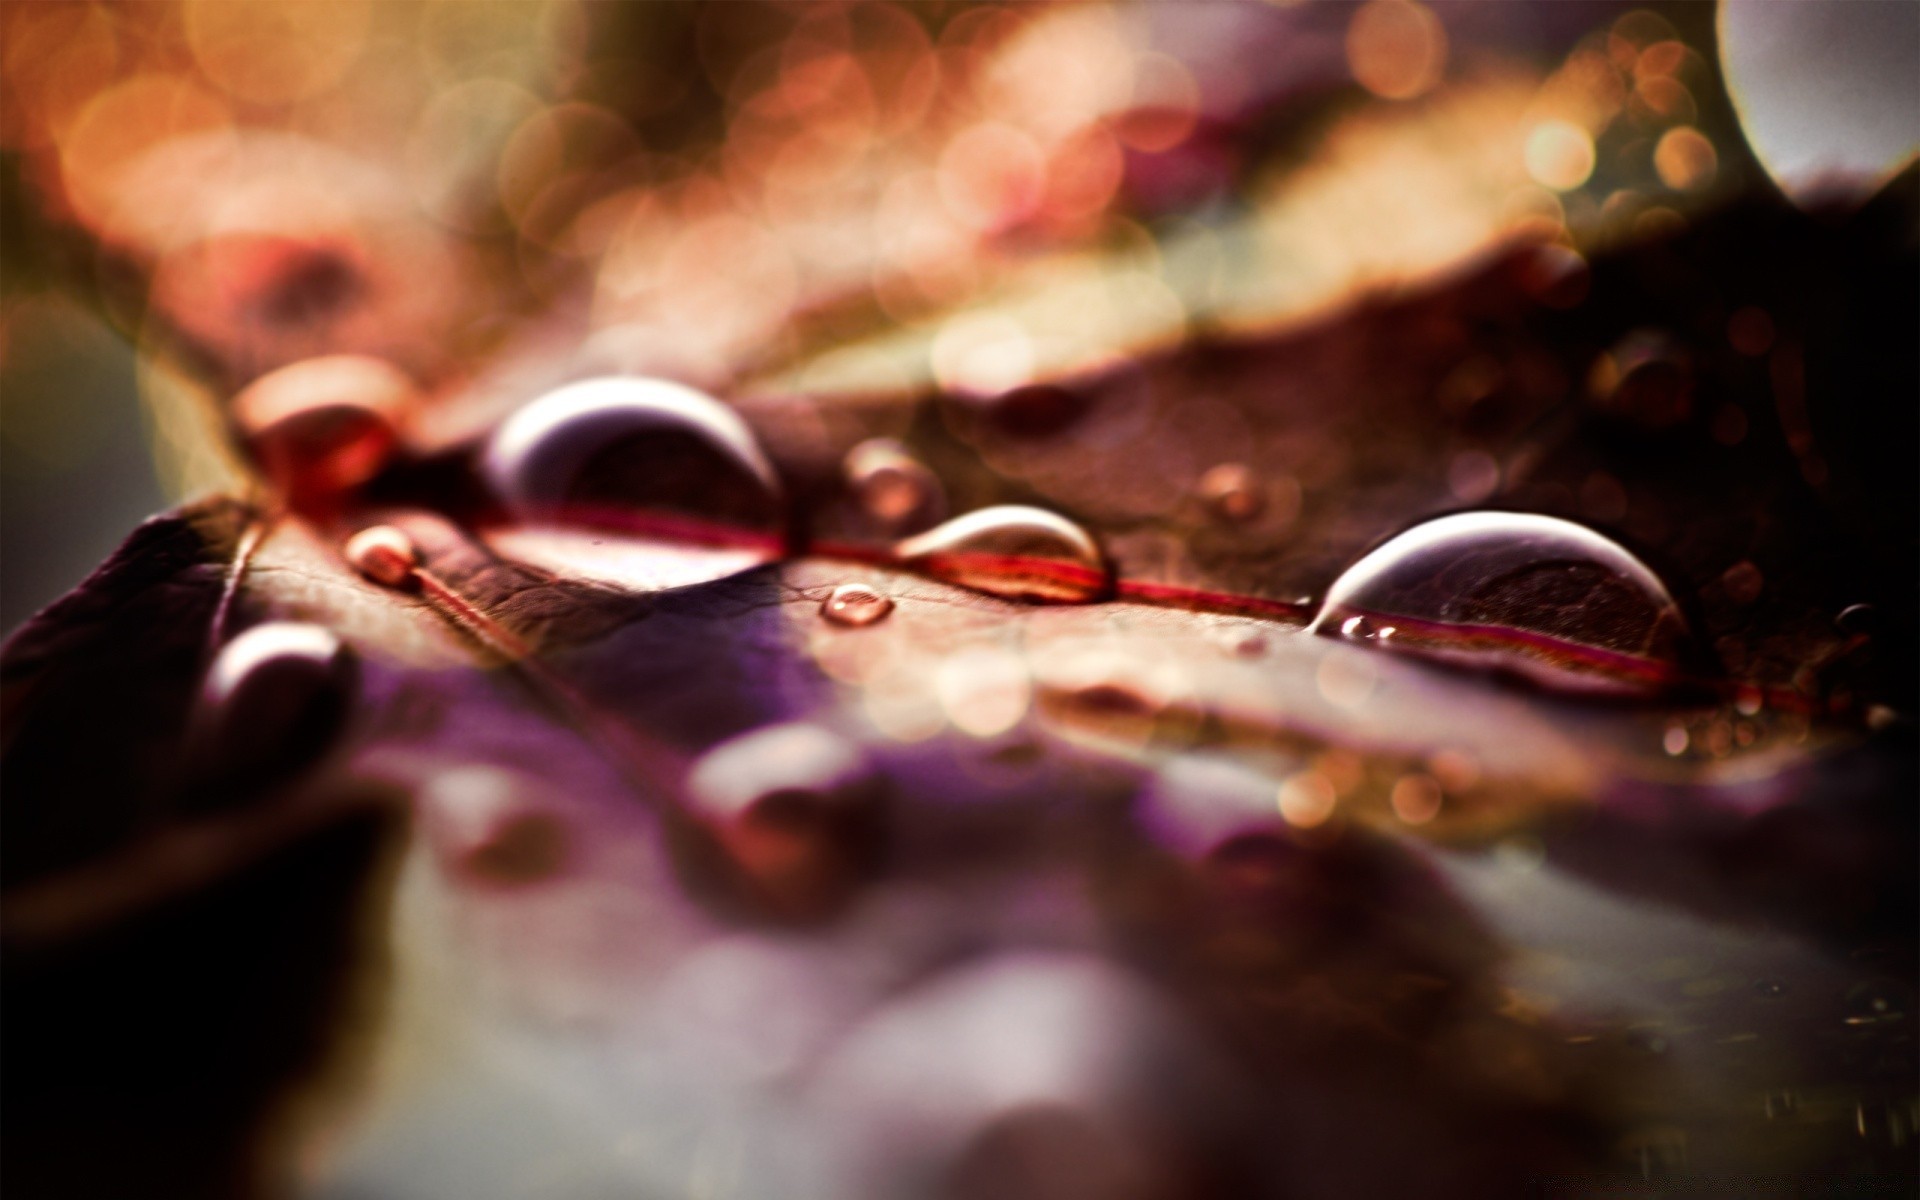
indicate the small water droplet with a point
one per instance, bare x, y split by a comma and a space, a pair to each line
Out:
1876, 1003
796, 810
1532, 594
485, 824
634, 453
1769, 989
892, 486
1858, 620
384, 554
1013, 551
274, 699
1743, 582
855, 604
1232, 492
323, 426
1646, 378
1675, 740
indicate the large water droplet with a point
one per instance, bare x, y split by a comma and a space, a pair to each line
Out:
1013, 551
641, 454
1516, 591
796, 809
275, 699
323, 426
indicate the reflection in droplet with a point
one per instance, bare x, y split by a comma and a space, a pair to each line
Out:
275, 698
1232, 492
322, 426
633, 452
384, 554
855, 604
795, 808
892, 486
1518, 591
1016, 552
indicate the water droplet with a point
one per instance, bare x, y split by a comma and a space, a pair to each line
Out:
892, 486
855, 604
796, 809
274, 699
1036, 410
634, 453
384, 554
1743, 582
485, 824
1307, 799
1675, 740
1769, 989
1858, 620
1232, 492
1876, 1003
324, 426
1532, 594
1646, 378
1013, 551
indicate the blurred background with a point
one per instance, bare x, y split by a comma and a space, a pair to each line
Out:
199, 191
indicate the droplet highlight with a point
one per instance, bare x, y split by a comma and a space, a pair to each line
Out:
892, 487
275, 698
1532, 595
855, 605
1015, 552
324, 426
1232, 492
641, 454
383, 553
795, 809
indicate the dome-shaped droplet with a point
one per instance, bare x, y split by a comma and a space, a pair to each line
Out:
621, 451
1514, 591
274, 700
856, 604
490, 827
796, 809
1232, 492
323, 426
386, 554
1013, 551
893, 487
1646, 378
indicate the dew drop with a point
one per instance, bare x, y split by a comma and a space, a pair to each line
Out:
323, 426
892, 486
384, 554
631, 453
486, 825
1536, 595
1232, 492
1857, 620
1013, 551
1646, 378
795, 808
855, 604
274, 699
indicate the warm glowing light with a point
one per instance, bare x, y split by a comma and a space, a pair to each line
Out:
276, 53
1685, 159
1307, 799
1397, 49
1559, 155
1416, 799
